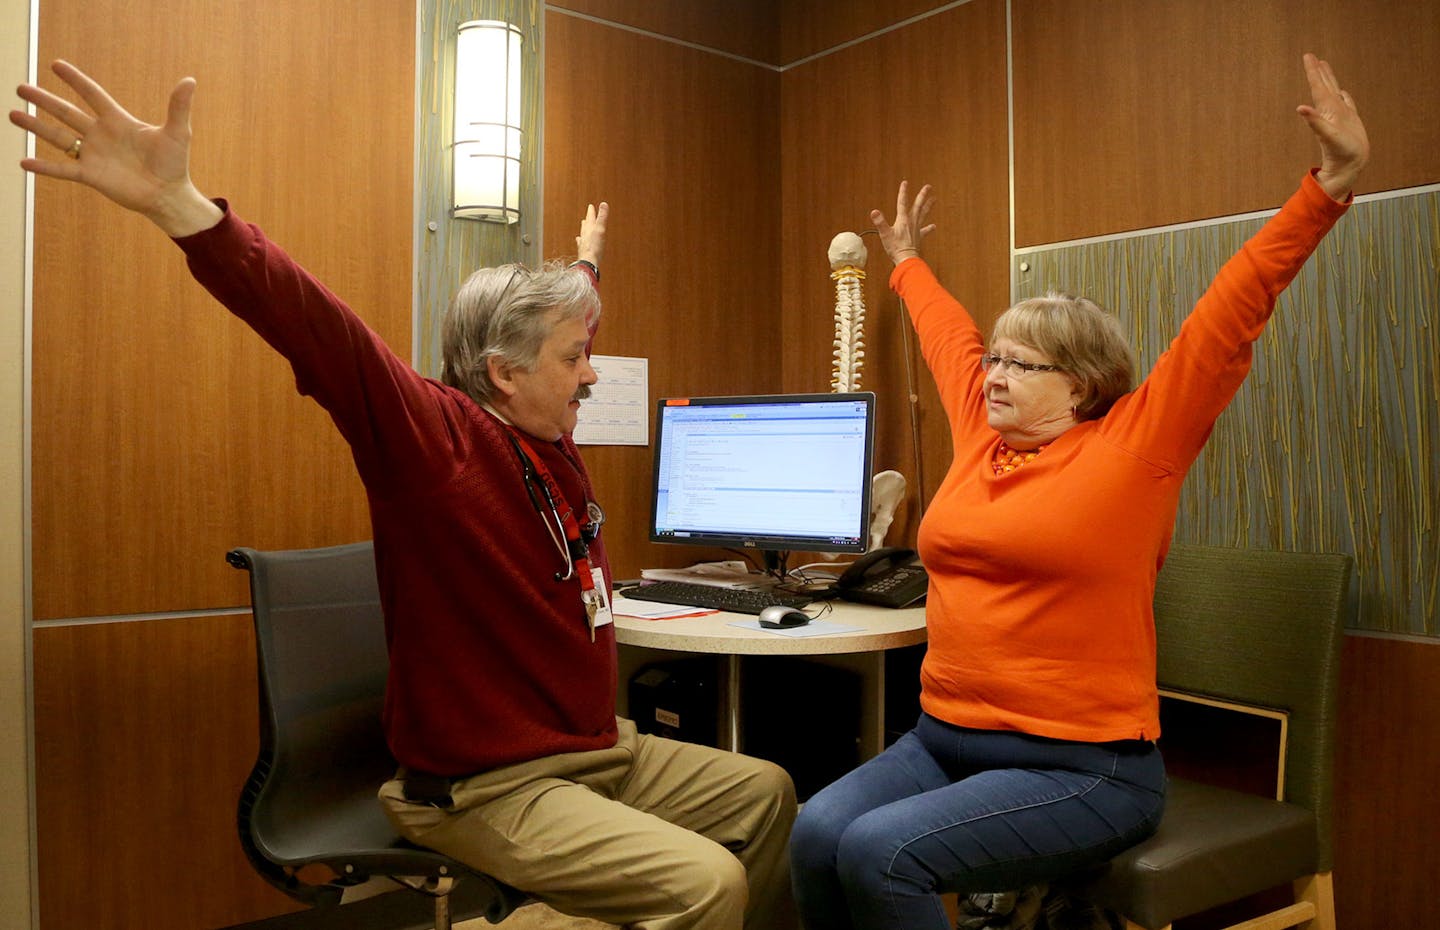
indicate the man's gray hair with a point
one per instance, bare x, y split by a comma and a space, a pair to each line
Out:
506, 313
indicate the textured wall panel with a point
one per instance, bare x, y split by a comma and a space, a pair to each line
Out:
1331, 444
452, 249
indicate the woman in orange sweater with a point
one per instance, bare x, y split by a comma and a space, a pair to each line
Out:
1034, 755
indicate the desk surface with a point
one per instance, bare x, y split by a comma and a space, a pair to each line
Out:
882, 628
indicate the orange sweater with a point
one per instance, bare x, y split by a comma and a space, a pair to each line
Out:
1041, 582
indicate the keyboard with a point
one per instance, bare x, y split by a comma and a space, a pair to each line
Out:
735, 600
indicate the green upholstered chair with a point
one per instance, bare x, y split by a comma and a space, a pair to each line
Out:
1257, 629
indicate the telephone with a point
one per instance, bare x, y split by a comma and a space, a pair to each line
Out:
889, 577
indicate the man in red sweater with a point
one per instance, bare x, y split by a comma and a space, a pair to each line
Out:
493, 576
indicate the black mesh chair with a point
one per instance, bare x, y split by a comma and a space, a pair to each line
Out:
1259, 630
309, 805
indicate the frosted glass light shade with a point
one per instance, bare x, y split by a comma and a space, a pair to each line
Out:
487, 121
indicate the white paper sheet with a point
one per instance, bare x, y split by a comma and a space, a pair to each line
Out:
617, 412
654, 610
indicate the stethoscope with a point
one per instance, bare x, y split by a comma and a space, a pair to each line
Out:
537, 486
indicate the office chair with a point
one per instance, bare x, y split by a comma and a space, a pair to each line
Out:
310, 802
1256, 629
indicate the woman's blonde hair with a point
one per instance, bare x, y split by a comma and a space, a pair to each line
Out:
1082, 338
505, 313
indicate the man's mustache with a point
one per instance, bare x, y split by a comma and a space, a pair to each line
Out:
582, 392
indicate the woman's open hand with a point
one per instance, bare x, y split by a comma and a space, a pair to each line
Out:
1332, 116
140, 166
901, 239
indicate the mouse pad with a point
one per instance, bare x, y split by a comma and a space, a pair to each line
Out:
813, 628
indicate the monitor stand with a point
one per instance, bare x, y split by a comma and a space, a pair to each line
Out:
775, 563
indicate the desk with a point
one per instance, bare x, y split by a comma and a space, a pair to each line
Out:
881, 628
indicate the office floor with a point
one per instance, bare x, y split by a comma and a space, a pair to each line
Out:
537, 917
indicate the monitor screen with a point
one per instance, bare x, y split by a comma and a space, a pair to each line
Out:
773, 472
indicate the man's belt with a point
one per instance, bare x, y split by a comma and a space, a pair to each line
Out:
427, 788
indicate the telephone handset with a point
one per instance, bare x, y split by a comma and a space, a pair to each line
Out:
889, 577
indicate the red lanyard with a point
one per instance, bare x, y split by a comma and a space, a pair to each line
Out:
574, 550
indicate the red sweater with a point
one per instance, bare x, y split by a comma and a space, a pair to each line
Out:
490, 658
1042, 581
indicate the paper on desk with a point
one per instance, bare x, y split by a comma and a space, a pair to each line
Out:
653, 610
732, 574
813, 628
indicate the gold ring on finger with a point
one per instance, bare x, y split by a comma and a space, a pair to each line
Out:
74, 150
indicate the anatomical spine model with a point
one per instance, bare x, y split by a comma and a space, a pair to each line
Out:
847, 263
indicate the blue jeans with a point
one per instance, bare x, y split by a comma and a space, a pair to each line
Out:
949, 809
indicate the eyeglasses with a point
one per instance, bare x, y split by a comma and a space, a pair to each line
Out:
1013, 367
515, 275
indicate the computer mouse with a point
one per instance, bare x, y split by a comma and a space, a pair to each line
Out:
779, 617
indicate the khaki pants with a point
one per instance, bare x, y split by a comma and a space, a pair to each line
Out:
651, 834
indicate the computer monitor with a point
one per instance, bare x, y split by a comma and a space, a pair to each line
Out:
774, 472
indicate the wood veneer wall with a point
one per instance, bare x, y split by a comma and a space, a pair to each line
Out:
692, 280
853, 127
1386, 806
747, 28
813, 27
165, 432
144, 733
681, 143
1131, 114
194, 441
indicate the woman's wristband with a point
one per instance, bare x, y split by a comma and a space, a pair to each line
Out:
588, 264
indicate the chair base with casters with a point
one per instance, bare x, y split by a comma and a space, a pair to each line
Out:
1257, 631
310, 805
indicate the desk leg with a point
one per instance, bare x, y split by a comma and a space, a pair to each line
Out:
872, 704
730, 731
872, 707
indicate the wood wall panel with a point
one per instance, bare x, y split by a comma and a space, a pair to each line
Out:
681, 144
808, 27
164, 431
778, 34
749, 28
15, 771
1133, 114
144, 733
163, 440
1387, 809
852, 127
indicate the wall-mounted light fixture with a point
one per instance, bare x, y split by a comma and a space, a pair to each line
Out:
487, 121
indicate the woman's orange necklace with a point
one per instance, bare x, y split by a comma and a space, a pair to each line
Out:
1008, 459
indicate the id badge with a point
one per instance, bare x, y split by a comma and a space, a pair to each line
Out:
603, 615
